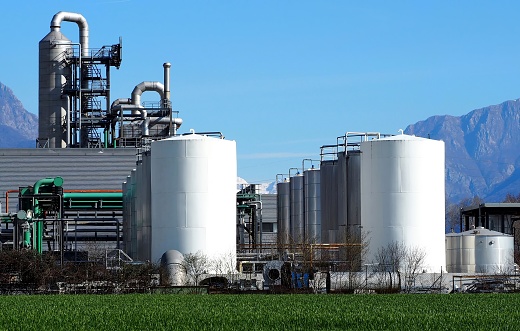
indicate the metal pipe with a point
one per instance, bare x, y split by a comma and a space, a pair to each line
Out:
167, 67
7, 199
118, 102
172, 130
146, 86
79, 20
67, 119
38, 228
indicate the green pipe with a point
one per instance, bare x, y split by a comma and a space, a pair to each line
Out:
93, 195
26, 238
38, 226
56, 181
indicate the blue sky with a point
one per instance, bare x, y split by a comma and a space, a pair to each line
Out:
283, 78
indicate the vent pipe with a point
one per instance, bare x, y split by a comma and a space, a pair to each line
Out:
79, 20
167, 67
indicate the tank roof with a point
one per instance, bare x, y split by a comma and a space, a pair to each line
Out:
480, 231
403, 137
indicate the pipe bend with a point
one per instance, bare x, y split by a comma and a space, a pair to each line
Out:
146, 86
79, 20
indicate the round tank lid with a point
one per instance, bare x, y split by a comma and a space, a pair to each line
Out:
403, 137
480, 231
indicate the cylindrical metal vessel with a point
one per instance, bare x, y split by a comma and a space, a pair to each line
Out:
126, 216
283, 190
494, 252
53, 73
402, 196
341, 189
479, 251
311, 190
297, 209
172, 261
193, 192
354, 194
146, 188
328, 200
133, 214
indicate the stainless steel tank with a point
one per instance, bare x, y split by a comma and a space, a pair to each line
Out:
297, 209
283, 212
479, 251
493, 252
328, 200
354, 193
341, 189
311, 189
54, 76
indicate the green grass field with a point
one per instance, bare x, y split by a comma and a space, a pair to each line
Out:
261, 312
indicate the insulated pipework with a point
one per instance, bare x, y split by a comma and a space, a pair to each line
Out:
79, 20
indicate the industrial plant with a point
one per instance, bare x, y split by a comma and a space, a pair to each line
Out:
116, 177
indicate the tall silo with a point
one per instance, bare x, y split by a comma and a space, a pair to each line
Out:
193, 194
311, 189
297, 209
341, 189
283, 190
328, 200
354, 193
402, 196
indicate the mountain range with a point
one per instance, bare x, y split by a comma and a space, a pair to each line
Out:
18, 127
482, 151
482, 155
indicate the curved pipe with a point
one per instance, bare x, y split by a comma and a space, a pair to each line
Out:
79, 20
56, 181
146, 86
116, 104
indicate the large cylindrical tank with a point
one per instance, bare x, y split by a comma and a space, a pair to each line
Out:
354, 194
283, 190
297, 209
193, 193
133, 214
329, 201
341, 189
53, 73
479, 251
143, 212
311, 189
402, 196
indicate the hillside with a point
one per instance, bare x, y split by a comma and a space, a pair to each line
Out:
482, 153
18, 128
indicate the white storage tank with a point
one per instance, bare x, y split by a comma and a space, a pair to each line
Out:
479, 251
402, 196
193, 195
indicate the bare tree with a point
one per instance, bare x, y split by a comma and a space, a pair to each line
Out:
195, 265
388, 261
414, 259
